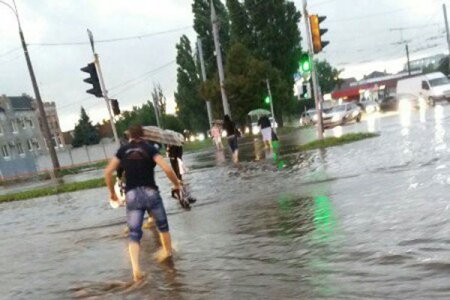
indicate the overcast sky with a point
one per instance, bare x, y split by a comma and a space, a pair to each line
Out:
360, 35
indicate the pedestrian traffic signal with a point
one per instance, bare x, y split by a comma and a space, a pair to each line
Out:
267, 100
306, 91
316, 33
115, 107
305, 63
93, 79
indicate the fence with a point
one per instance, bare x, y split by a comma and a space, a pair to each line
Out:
78, 156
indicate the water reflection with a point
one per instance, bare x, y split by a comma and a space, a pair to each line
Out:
422, 110
337, 131
439, 129
404, 109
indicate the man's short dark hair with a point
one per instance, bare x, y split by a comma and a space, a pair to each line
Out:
135, 131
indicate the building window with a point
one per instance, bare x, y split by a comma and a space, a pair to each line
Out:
22, 123
36, 144
5, 151
30, 145
30, 123
14, 126
20, 149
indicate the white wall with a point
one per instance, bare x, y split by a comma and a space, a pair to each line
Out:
78, 156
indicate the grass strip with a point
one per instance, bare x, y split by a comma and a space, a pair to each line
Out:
48, 191
337, 141
81, 168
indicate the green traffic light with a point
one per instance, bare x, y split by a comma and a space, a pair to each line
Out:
305, 63
306, 67
267, 100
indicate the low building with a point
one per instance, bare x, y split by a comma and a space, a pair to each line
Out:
21, 139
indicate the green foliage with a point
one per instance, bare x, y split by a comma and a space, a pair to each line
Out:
191, 108
328, 76
240, 23
202, 25
63, 188
85, 133
334, 141
173, 123
140, 115
269, 29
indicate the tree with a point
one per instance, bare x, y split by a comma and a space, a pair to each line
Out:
159, 98
239, 23
139, 115
246, 83
328, 76
274, 37
85, 133
191, 107
202, 25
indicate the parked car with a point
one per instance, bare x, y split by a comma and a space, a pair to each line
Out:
431, 87
342, 114
307, 117
369, 106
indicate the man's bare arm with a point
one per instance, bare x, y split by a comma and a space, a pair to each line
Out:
109, 171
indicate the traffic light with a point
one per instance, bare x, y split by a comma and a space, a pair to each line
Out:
115, 106
93, 79
306, 91
267, 100
305, 63
316, 33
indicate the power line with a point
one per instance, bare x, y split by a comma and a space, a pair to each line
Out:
10, 51
368, 16
125, 83
321, 3
143, 78
112, 40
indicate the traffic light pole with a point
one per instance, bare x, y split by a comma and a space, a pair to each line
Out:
448, 32
103, 87
202, 64
105, 96
215, 28
40, 105
271, 104
315, 81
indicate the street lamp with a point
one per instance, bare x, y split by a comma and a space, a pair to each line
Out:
37, 94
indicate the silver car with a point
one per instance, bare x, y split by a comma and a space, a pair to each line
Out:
342, 114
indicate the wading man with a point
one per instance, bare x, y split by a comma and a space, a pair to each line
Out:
138, 159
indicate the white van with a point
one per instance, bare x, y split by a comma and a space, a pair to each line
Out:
431, 87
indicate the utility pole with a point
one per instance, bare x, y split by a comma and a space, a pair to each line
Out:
215, 28
104, 90
313, 73
448, 33
271, 104
407, 57
202, 64
155, 98
40, 105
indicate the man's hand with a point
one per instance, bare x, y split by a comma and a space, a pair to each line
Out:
110, 168
113, 196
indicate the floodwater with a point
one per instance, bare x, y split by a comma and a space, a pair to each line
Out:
367, 220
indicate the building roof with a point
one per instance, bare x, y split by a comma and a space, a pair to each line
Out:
21, 103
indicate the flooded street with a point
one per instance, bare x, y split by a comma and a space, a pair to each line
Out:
367, 220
